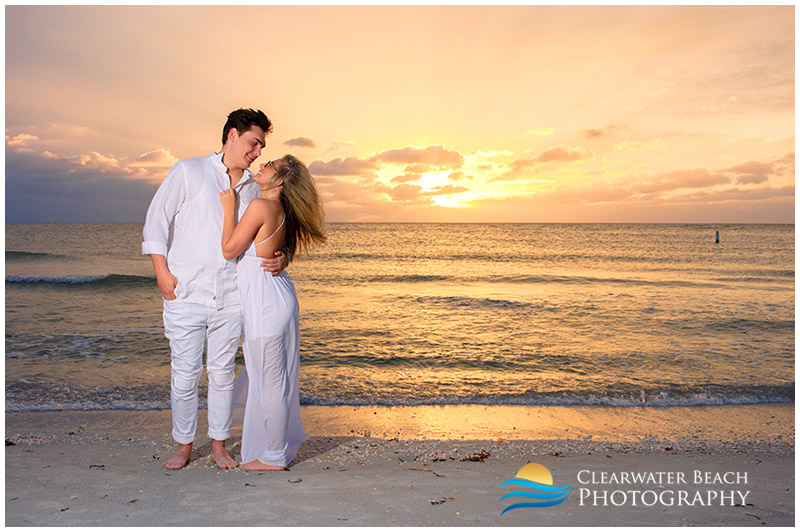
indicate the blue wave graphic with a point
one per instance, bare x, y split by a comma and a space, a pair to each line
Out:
535, 485
537, 496
535, 504
552, 496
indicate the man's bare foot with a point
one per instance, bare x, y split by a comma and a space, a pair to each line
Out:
180, 458
220, 456
257, 465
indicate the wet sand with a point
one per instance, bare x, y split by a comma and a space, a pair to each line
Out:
411, 466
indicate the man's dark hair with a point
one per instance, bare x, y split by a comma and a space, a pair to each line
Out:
243, 119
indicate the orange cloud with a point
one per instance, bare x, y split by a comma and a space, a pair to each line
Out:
750, 167
435, 155
565, 154
733, 194
405, 192
446, 189
22, 139
301, 142
407, 178
459, 176
96, 161
417, 168
352, 166
158, 158
687, 178
751, 172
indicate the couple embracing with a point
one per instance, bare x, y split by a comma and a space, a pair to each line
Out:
220, 239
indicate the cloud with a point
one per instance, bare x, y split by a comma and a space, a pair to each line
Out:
352, 166
751, 179
687, 185
151, 166
564, 154
661, 92
458, 176
736, 194
417, 168
446, 189
96, 161
405, 192
415, 193
347, 192
639, 145
756, 172
516, 168
696, 194
407, 178
541, 132
751, 172
596, 132
435, 155
301, 142
23, 139
89, 188
517, 165
686, 178
750, 167
585, 204
340, 144
158, 158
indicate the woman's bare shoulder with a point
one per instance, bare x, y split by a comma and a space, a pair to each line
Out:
266, 207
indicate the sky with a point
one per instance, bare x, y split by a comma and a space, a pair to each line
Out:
676, 114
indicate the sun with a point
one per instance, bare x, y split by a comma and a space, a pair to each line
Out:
536, 473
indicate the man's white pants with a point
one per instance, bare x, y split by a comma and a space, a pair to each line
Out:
188, 326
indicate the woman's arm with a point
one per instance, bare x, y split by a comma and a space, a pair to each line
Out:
236, 237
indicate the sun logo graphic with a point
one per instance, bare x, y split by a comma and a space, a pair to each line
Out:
535, 477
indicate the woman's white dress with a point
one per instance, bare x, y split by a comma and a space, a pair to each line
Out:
266, 396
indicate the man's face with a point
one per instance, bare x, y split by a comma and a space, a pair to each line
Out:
245, 147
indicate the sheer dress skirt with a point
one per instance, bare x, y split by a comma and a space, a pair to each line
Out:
266, 398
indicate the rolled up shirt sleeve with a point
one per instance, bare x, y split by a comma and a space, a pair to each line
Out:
166, 204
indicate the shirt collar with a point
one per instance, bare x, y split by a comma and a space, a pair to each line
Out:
216, 159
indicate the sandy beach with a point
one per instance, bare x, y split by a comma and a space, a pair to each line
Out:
413, 466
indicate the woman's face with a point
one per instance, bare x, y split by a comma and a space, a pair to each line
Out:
268, 171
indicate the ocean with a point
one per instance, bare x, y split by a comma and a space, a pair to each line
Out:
432, 314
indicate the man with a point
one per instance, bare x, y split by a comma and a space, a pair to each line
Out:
182, 235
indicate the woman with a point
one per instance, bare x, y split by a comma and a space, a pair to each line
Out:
288, 215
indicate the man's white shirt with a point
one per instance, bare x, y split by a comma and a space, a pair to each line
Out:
184, 223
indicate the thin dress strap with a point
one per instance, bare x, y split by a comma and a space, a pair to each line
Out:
276, 230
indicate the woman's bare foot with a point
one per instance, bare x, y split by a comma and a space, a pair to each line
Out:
220, 456
257, 465
180, 458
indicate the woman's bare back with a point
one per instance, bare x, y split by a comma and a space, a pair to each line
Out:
271, 235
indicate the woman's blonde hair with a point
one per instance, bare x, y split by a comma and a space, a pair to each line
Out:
305, 218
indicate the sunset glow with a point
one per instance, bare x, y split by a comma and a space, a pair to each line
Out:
423, 113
